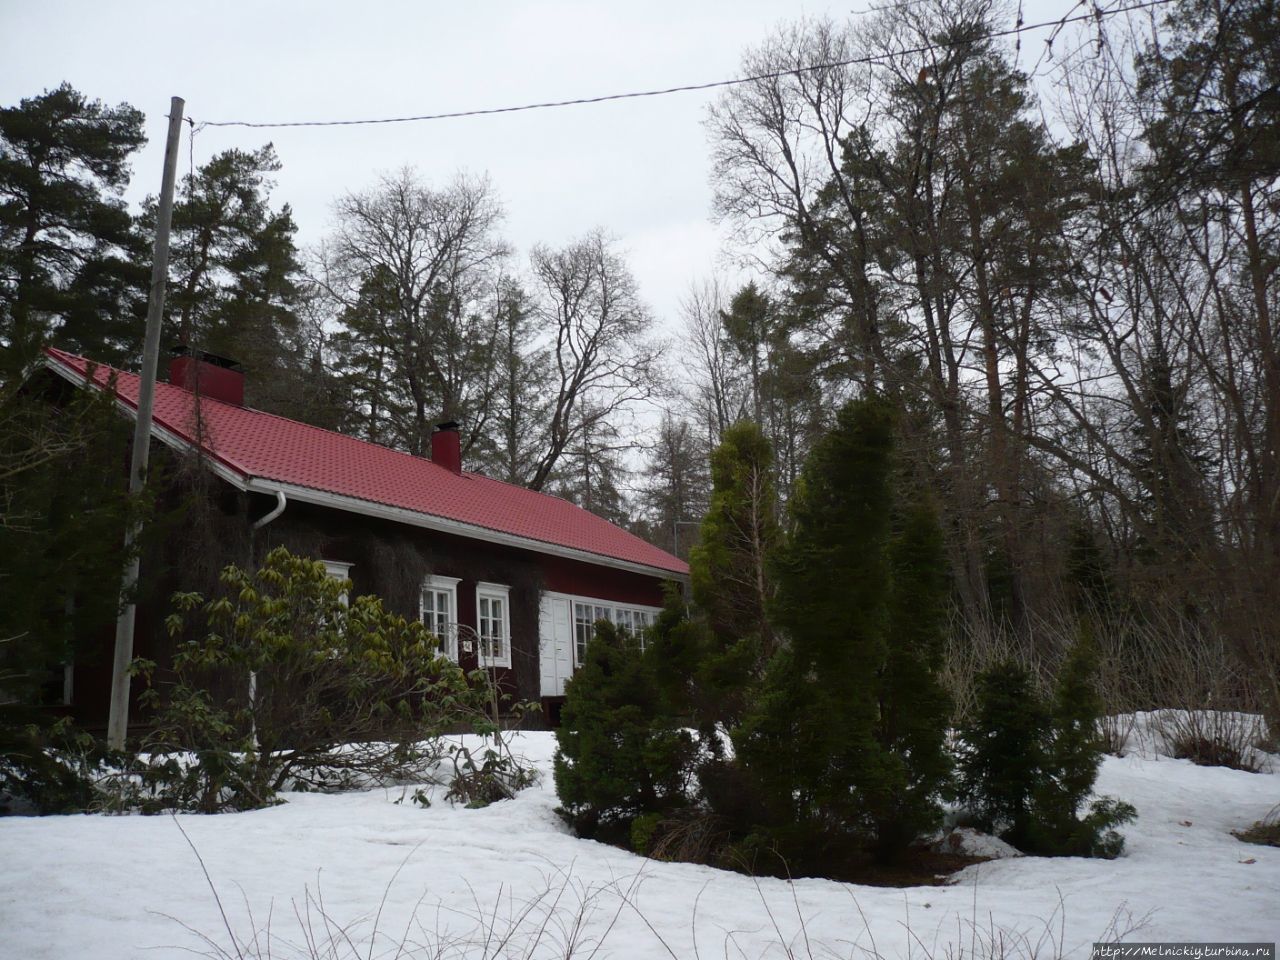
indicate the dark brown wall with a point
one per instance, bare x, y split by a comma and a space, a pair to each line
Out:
573, 576
388, 559
391, 560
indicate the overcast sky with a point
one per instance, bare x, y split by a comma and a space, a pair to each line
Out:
638, 168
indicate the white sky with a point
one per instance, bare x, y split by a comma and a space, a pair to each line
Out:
638, 168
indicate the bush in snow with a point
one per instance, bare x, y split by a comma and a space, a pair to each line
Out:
1265, 832
847, 732
51, 768
620, 756
1214, 738
286, 684
1028, 768
1002, 747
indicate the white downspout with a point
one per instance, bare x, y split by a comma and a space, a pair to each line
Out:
281, 503
258, 524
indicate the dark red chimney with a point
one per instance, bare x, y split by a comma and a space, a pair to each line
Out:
446, 446
211, 376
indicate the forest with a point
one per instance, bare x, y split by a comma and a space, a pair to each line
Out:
1064, 280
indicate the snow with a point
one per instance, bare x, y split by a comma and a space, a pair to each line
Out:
974, 843
1148, 733
124, 887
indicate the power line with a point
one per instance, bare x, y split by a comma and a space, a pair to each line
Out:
1095, 15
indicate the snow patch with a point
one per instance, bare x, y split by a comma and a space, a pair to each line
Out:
969, 842
116, 887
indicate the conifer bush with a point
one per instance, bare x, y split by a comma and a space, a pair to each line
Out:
730, 578
620, 758
915, 708
52, 768
1003, 751
846, 737
1028, 767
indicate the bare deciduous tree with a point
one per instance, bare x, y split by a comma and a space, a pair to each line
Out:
601, 354
413, 269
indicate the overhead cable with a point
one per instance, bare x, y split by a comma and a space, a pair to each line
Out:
1096, 14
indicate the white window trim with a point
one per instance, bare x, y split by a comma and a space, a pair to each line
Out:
613, 605
495, 591
449, 585
339, 571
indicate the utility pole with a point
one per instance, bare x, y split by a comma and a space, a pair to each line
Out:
118, 718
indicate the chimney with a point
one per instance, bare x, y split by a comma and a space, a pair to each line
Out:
446, 446
211, 376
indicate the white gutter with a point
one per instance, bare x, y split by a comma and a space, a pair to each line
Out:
429, 521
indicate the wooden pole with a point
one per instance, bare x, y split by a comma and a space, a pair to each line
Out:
118, 718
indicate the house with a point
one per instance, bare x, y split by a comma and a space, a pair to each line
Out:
511, 579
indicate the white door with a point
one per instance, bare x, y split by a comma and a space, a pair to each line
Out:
555, 633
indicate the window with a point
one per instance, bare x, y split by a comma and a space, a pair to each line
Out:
338, 571
634, 620
438, 611
583, 628
493, 624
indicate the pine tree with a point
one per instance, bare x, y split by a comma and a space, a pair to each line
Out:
520, 404
236, 279
749, 325
590, 471
68, 252
677, 487
363, 361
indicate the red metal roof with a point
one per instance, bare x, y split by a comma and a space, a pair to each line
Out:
262, 446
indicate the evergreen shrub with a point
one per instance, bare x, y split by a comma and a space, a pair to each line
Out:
846, 735
1028, 767
622, 762
52, 768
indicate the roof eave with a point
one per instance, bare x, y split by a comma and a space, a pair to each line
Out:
439, 524
384, 511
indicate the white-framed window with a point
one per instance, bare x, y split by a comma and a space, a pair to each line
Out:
339, 571
635, 620
625, 618
584, 627
493, 624
438, 611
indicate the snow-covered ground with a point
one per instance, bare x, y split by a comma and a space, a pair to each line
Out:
126, 887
